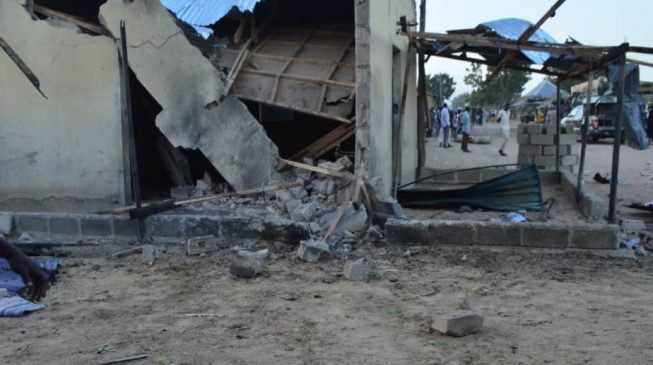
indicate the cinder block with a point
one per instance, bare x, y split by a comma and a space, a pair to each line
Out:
569, 160
534, 129
575, 149
542, 139
457, 323
545, 235
545, 161
65, 226
95, 227
498, 234
523, 139
599, 237
33, 224
525, 160
163, 226
568, 183
125, 227
430, 232
567, 139
551, 150
593, 206
530, 150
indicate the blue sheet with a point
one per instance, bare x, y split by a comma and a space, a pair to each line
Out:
12, 305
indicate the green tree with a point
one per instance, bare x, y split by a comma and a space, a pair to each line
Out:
506, 86
461, 99
441, 86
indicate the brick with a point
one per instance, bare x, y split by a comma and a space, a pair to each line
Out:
534, 129
406, 232
95, 227
567, 139
498, 234
457, 323
545, 235
523, 139
599, 237
551, 150
33, 224
164, 226
542, 139
547, 161
530, 150
569, 160
125, 228
65, 226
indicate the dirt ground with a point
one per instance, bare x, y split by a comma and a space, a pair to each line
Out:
540, 307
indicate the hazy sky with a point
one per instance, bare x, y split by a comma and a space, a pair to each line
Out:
591, 22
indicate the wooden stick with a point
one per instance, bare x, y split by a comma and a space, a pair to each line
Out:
341, 211
128, 252
123, 360
93, 28
321, 170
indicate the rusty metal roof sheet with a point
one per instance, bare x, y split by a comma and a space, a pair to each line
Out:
202, 13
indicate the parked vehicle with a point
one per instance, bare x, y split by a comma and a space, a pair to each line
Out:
603, 113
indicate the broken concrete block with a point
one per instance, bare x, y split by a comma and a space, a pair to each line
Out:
346, 162
333, 166
305, 213
292, 205
330, 187
299, 192
315, 227
197, 113
260, 255
5, 223
283, 195
358, 270
201, 245
375, 233
457, 323
246, 268
313, 251
150, 254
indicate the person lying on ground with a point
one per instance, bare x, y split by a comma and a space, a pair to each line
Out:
33, 276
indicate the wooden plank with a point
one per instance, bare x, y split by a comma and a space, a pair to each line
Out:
321, 170
22, 66
332, 71
342, 209
295, 60
275, 85
93, 28
295, 109
326, 143
238, 35
348, 85
243, 55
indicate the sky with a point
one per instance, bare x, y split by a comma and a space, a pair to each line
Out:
591, 22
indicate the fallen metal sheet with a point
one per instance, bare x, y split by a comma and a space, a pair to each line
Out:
647, 207
202, 13
520, 190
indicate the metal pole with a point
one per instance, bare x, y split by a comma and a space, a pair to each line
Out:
136, 186
617, 138
585, 126
558, 127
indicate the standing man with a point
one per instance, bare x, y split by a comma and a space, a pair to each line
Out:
33, 276
504, 120
466, 127
445, 123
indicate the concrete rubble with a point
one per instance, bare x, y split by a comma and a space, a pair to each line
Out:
246, 268
313, 251
196, 112
457, 323
358, 270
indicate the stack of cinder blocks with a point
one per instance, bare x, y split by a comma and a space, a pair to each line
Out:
537, 145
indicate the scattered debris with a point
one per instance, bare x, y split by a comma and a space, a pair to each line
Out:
600, 179
511, 217
457, 323
150, 254
358, 270
313, 251
124, 360
201, 245
246, 268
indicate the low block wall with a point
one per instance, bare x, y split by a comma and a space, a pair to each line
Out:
537, 145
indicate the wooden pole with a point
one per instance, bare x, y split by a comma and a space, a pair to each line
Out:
614, 181
585, 126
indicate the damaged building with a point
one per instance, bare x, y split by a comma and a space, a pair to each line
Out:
225, 91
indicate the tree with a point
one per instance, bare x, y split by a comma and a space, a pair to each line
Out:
441, 86
506, 86
460, 100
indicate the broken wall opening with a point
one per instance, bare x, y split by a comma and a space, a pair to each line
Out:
85, 9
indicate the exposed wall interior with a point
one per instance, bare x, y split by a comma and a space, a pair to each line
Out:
70, 144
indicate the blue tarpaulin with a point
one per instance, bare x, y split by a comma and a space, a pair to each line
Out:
12, 305
202, 13
513, 28
632, 114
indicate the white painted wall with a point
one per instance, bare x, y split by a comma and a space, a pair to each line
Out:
384, 15
69, 145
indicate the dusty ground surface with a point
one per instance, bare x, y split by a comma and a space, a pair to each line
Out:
540, 307
636, 167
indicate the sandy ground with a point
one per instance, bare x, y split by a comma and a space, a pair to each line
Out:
636, 167
540, 307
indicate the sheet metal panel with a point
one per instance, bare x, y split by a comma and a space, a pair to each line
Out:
513, 28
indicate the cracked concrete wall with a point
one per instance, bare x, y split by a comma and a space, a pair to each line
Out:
69, 145
191, 92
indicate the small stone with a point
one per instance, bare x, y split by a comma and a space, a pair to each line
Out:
150, 254
246, 268
312, 250
305, 213
408, 253
358, 270
5, 223
315, 227
457, 323
283, 195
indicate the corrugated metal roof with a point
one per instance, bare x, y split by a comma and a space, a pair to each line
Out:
513, 28
202, 13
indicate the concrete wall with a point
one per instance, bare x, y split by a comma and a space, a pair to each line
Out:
376, 30
69, 144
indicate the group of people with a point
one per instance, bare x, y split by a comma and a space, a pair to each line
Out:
449, 124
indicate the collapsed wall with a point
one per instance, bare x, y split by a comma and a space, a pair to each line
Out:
70, 144
196, 112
